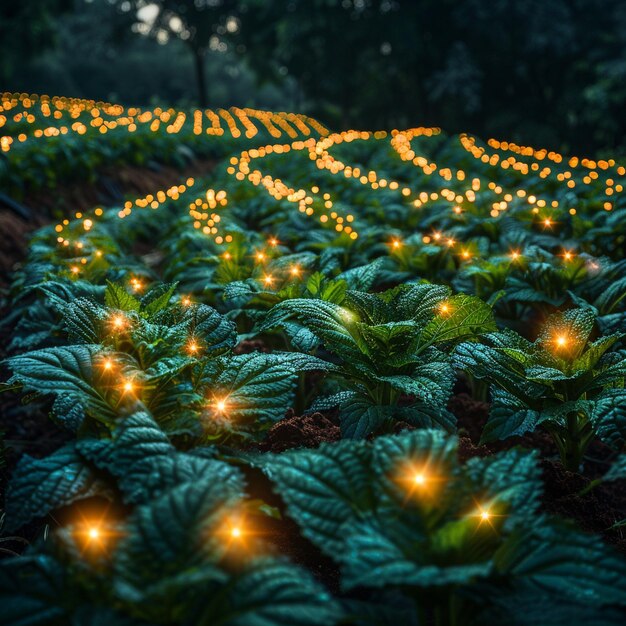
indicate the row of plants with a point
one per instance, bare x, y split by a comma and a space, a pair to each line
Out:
168, 355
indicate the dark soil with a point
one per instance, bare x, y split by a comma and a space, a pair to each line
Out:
295, 431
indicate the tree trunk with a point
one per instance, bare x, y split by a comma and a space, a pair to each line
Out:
198, 59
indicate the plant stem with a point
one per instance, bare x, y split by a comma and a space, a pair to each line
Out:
578, 436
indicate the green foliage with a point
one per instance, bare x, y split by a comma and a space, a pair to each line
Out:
564, 381
172, 551
392, 352
167, 351
402, 514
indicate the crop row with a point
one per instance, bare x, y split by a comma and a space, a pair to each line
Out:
364, 276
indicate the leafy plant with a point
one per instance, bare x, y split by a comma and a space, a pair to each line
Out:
186, 553
389, 352
464, 543
173, 357
565, 382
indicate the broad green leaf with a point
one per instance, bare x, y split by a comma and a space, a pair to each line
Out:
464, 317
63, 371
271, 593
360, 417
116, 297
508, 417
324, 489
39, 486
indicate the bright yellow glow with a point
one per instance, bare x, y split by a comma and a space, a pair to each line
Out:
221, 405
192, 347
268, 279
118, 321
94, 533
235, 532
136, 284
294, 270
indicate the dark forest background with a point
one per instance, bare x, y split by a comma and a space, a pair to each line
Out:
543, 72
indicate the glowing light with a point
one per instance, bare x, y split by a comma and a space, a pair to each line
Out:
547, 222
273, 242
568, 256
128, 386
221, 405
419, 479
186, 301
260, 256
294, 270
107, 364
396, 244
444, 308
192, 347
515, 255
346, 315
136, 284
94, 533
118, 321
235, 532
268, 279
485, 515
561, 341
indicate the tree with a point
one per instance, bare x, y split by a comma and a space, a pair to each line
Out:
202, 25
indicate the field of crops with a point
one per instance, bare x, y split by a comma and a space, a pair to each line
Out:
358, 378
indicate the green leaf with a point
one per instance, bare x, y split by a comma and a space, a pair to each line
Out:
157, 298
326, 320
508, 417
272, 593
380, 556
589, 359
466, 316
116, 297
146, 464
39, 486
560, 560
324, 489
361, 417
608, 417
617, 470
63, 371
32, 591
171, 533
255, 386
